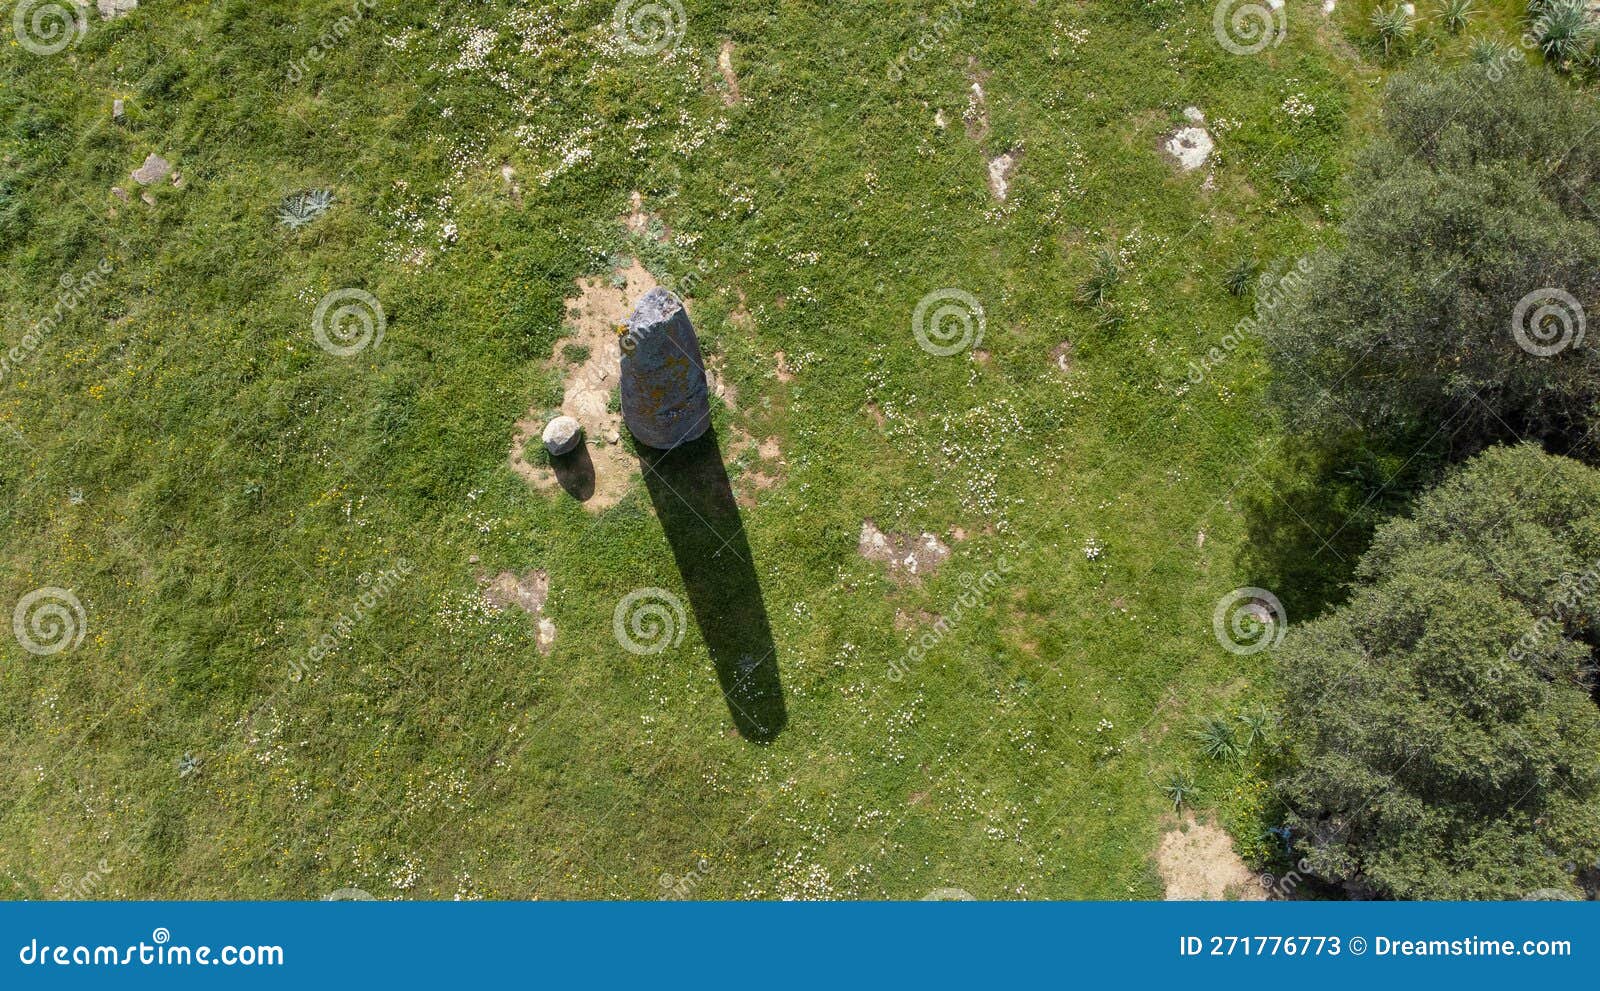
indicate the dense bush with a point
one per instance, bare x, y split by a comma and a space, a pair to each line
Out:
1443, 738
1478, 199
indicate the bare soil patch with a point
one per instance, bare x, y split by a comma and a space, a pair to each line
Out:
1198, 863
907, 556
528, 592
600, 472
725, 63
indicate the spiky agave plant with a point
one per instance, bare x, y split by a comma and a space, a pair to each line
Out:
1563, 30
1485, 52
1218, 739
302, 208
1241, 276
1454, 14
1096, 289
1256, 725
1393, 25
1180, 788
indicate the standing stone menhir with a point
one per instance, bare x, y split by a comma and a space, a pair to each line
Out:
664, 397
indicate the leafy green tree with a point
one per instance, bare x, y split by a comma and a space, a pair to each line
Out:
1477, 203
1443, 740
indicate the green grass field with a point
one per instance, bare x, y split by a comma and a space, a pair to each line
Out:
222, 495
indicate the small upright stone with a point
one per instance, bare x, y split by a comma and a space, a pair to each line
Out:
665, 402
561, 435
118, 110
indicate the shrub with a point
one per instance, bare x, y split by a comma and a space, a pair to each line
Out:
1443, 741
1470, 202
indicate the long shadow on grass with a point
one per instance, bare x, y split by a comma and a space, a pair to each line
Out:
693, 498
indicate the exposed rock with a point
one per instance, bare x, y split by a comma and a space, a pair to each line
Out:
908, 556
110, 9
562, 434
119, 110
154, 169
1191, 146
1000, 169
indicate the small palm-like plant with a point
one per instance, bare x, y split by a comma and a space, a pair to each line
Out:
1393, 25
1563, 30
1180, 788
1218, 739
1241, 276
302, 208
1454, 14
1485, 52
1256, 725
1297, 173
1096, 289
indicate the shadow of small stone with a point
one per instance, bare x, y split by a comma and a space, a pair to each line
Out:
693, 498
575, 472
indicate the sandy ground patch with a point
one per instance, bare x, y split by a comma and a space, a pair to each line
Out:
599, 473
1198, 863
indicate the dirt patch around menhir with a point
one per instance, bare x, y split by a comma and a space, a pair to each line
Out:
908, 557
1198, 863
528, 592
599, 473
